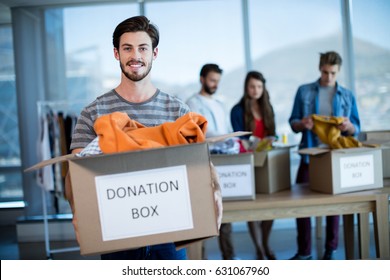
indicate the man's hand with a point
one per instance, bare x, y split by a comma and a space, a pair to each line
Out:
307, 123
347, 126
69, 197
217, 194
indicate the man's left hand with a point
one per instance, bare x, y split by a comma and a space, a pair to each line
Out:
347, 126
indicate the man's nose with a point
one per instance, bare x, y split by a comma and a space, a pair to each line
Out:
135, 54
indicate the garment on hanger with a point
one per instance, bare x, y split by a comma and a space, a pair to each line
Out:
56, 128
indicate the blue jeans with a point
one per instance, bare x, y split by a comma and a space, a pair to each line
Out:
155, 252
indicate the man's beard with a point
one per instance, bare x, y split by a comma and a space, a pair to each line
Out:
136, 77
209, 90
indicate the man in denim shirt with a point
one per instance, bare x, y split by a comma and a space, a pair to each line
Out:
323, 97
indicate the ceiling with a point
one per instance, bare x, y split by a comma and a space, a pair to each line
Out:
25, 3
6, 5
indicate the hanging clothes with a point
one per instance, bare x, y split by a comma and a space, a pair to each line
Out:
56, 128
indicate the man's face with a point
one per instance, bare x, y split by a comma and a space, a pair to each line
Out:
135, 55
329, 75
210, 82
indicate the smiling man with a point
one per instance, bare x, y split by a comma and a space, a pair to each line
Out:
135, 43
324, 97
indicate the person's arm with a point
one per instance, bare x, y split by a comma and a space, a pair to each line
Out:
297, 120
237, 118
217, 194
69, 197
347, 127
304, 124
351, 124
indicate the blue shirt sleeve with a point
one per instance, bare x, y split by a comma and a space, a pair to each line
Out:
296, 114
354, 118
237, 118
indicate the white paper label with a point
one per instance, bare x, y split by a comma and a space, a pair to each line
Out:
235, 180
144, 202
357, 171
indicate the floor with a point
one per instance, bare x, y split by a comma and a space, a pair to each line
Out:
282, 241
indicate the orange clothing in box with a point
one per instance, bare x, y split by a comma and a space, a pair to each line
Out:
118, 133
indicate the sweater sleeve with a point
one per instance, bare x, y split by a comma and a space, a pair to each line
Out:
237, 118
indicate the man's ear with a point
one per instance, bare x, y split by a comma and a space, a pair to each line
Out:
116, 53
155, 53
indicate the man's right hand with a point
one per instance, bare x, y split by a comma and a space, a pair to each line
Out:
69, 197
307, 123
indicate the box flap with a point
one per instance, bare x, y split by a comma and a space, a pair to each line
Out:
354, 150
69, 156
49, 162
259, 158
186, 243
378, 135
278, 145
226, 136
376, 143
313, 151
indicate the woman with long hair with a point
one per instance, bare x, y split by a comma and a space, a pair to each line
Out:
254, 113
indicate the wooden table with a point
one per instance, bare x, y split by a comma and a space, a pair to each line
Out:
301, 202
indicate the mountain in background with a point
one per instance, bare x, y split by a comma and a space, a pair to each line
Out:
284, 68
288, 67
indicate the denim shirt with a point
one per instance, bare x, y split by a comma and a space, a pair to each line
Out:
306, 104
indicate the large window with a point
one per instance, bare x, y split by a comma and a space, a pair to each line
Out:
91, 68
370, 27
194, 33
10, 176
286, 40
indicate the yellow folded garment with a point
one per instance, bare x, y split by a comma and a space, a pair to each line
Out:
325, 127
264, 145
118, 133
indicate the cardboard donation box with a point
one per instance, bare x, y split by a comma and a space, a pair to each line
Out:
272, 170
381, 139
133, 199
236, 175
344, 170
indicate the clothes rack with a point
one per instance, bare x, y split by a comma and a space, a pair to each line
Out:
53, 108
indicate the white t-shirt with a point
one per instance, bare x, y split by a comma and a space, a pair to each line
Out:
214, 112
325, 100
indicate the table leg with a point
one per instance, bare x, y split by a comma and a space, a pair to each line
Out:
194, 251
319, 227
349, 236
381, 227
364, 235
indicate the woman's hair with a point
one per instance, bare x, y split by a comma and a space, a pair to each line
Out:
266, 109
135, 24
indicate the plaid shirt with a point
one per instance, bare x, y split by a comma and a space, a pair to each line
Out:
92, 148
